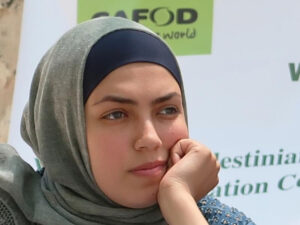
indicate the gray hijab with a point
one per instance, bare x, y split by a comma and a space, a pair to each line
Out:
53, 124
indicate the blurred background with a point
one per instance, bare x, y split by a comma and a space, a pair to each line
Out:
10, 28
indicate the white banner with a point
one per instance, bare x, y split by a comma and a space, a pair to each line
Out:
243, 98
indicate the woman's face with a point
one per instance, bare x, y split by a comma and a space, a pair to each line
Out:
133, 118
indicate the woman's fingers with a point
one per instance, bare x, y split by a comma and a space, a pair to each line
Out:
194, 166
177, 152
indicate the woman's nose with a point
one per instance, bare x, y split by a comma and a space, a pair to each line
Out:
147, 137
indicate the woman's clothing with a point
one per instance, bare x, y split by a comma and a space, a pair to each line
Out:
53, 124
136, 46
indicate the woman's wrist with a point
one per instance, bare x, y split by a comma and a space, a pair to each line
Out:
178, 206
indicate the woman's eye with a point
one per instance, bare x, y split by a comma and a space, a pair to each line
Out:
114, 115
169, 111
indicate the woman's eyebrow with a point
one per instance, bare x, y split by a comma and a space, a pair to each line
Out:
165, 98
118, 99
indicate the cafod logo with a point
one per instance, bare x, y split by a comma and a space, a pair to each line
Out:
185, 25
160, 16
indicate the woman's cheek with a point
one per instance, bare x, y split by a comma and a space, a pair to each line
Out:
175, 133
114, 142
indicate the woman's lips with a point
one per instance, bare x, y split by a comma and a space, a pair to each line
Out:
150, 169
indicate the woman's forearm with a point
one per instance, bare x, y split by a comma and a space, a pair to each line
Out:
179, 208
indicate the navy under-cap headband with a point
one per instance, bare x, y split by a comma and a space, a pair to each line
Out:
120, 48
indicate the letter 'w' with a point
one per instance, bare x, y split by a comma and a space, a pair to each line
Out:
294, 74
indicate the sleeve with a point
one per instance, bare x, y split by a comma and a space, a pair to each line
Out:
217, 213
10, 213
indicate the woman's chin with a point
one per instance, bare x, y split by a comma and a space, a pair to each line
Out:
140, 203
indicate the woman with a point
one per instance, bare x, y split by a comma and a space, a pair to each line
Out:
107, 118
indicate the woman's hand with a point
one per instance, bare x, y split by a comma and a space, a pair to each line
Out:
193, 172
193, 167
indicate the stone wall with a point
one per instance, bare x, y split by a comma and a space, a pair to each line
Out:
10, 26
